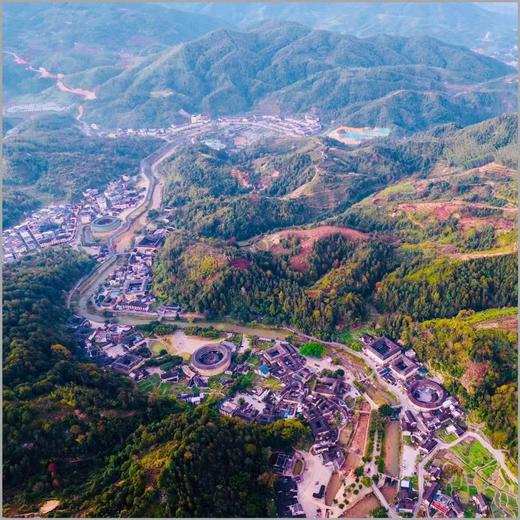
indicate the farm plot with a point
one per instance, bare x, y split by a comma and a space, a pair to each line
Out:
470, 468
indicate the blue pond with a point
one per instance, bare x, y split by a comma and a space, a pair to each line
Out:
366, 133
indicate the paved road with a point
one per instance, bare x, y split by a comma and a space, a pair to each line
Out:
148, 169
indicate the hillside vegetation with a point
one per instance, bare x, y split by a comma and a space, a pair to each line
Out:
49, 158
448, 22
292, 182
397, 82
220, 281
479, 365
76, 38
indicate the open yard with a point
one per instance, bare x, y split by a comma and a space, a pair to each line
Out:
392, 448
378, 394
332, 488
389, 492
181, 344
360, 433
154, 383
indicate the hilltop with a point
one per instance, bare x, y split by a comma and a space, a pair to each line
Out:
101, 39
491, 29
381, 80
292, 182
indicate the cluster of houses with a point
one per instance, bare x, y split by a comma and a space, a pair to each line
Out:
422, 427
434, 408
128, 288
59, 224
396, 366
125, 349
287, 505
437, 503
51, 226
117, 197
196, 124
122, 347
321, 403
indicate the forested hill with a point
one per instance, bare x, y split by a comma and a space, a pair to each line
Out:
291, 182
446, 21
101, 39
287, 65
49, 158
228, 72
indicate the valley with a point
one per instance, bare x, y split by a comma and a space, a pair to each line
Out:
133, 244
262, 269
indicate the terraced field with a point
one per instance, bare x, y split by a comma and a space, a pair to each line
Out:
473, 469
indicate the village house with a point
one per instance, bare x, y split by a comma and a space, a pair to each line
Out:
382, 350
481, 504
430, 492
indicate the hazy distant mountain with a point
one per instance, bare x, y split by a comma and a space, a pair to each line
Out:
147, 62
69, 38
300, 69
471, 25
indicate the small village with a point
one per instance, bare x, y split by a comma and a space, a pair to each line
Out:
101, 211
51, 226
202, 123
63, 224
263, 380
128, 288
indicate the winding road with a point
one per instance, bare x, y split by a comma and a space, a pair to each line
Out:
148, 169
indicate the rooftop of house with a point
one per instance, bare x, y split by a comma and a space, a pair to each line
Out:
430, 491
403, 365
383, 347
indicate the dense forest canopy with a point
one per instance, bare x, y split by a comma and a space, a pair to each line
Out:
331, 293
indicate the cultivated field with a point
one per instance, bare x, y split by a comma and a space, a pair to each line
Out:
363, 507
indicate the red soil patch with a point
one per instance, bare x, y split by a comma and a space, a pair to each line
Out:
474, 375
389, 492
360, 435
363, 507
307, 238
242, 177
84, 93
480, 222
352, 461
504, 323
448, 249
443, 211
85, 48
254, 197
240, 263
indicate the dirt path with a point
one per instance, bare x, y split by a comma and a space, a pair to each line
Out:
392, 442
481, 254
87, 95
